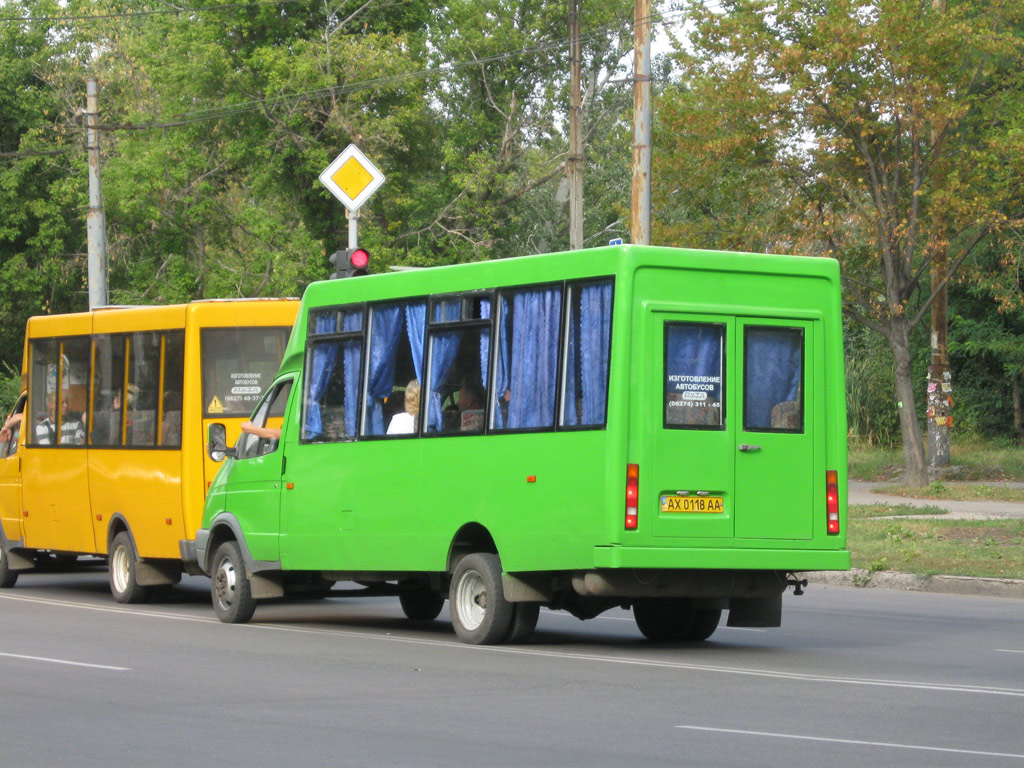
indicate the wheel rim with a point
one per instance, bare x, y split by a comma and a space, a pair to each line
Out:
225, 583
119, 569
471, 600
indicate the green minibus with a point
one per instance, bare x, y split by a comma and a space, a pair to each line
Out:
653, 428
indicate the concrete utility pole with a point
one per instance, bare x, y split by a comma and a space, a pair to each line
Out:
940, 380
575, 164
640, 223
95, 223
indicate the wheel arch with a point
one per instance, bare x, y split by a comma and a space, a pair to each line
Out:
226, 527
471, 537
119, 524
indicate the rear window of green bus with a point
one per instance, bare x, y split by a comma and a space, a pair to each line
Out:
239, 364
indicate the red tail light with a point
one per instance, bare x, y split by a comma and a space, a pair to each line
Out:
832, 501
632, 494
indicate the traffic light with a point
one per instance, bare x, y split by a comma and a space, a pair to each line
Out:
350, 262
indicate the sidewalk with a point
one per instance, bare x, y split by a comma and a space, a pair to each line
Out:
861, 492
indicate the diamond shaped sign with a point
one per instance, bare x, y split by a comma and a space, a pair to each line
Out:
352, 178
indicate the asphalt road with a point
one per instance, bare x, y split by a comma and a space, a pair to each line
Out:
853, 678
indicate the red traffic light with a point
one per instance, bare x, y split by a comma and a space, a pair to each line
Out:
359, 258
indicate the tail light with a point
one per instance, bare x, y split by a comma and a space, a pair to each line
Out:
632, 494
832, 501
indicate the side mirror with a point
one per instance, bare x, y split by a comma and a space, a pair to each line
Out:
217, 446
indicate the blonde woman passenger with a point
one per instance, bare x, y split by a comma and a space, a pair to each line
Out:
405, 423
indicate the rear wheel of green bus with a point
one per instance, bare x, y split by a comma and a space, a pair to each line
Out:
705, 622
524, 621
229, 585
480, 613
664, 619
421, 604
7, 576
121, 568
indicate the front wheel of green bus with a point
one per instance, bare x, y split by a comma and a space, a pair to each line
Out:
229, 585
480, 613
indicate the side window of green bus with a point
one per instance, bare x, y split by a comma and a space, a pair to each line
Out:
334, 361
694, 374
587, 352
269, 417
458, 352
526, 365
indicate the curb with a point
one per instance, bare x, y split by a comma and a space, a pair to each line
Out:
951, 585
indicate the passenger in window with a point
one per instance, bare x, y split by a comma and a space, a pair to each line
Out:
72, 427
46, 425
11, 427
405, 423
471, 407
270, 433
171, 434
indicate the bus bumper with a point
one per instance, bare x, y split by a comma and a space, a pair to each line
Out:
722, 559
190, 557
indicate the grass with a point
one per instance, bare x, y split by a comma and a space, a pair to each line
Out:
989, 548
971, 460
956, 492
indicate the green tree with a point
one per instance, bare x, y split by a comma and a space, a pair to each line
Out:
877, 131
42, 179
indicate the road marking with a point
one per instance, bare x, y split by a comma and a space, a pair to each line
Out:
65, 661
521, 651
1007, 650
857, 742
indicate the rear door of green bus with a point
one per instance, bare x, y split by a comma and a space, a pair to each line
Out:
730, 418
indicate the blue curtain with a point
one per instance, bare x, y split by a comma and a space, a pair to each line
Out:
443, 349
386, 325
320, 369
415, 325
774, 366
590, 332
485, 344
536, 317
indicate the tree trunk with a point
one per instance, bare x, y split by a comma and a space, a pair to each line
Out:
913, 447
1018, 421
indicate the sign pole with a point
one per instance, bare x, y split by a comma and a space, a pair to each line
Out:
353, 228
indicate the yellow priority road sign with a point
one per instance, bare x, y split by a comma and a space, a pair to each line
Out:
352, 178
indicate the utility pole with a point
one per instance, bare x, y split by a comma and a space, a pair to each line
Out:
575, 130
640, 218
940, 380
95, 224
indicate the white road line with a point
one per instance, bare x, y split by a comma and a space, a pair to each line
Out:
1006, 650
526, 651
65, 661
857, 742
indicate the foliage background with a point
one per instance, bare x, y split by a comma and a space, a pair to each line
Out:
218, 118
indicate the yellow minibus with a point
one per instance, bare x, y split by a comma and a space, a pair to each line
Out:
105, 455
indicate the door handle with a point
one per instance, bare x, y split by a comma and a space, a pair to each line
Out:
744, 447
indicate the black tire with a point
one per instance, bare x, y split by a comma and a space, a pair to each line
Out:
480, 613
524, 621
8, 578
121, 562
229, 585
664, 619
705, 622
421, 604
